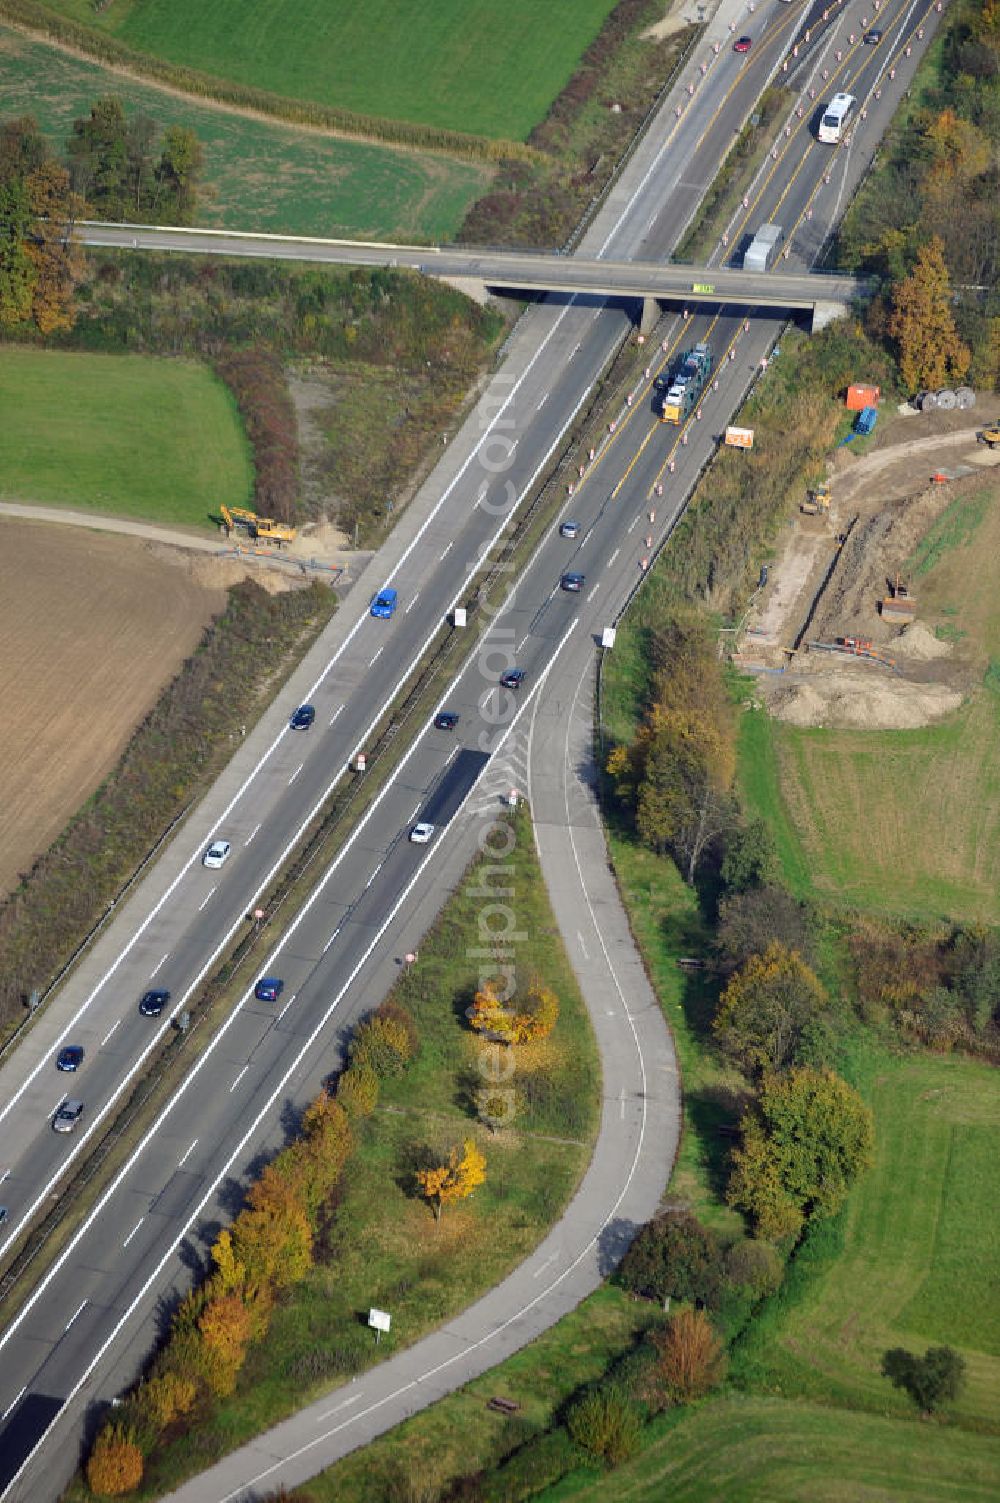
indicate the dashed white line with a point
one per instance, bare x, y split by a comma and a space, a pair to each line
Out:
336, 1408
14, 1401
374, 874
110, 1031
412, 813
339, 708
543, 399
158, 964
187, 1154
586, 540
613, 557
207, 899
622, 1100
75, 1316
407, 611
253, 832
238, 1079
4, 1175
132, 1233
583, 947
633, 525
448, 549
593, 592
514, 445
377, 656
542, 1266
295, 774
285, 1008
333, 936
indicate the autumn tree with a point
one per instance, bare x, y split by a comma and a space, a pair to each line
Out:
357, 1091
226, 1327
490, 1015
272, 1237
57, 260
749, 921
166, 1397
930, 1380
115, 1463
767, 1011
691, 1360
462, 1172
929, 349
803, 1145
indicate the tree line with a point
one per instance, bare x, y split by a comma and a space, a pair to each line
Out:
115, 168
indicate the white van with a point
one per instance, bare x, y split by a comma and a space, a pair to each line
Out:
836, 118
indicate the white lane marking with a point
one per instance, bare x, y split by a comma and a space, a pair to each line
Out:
158, 964
307, 1048
4, 1175
285, 1008
295, 774
333, 936
206, 899
132, 1233
110, 1031
412, 813
586, 539
613, 557
253, 832
75, 1316
514, 445
412, 604
583, 947
374, 874
448, 549
633, 525
336, 1408
542, 400
593, 592
377, 656
15, 1400
187, 1154
542, 1266
340, 708
622, 1100
238, 1079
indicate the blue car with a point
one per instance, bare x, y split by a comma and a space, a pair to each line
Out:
384, 604
70, 1058
302, 718
269, 989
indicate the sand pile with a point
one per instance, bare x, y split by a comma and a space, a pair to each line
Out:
919, 644
858, 700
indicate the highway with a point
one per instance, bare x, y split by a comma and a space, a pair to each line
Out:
88, 1325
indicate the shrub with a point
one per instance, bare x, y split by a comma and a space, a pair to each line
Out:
755, 1266
357, 1090
606, 1424
691, 1358
767, 1011
115, 1463
394, 1012
750, 921
530, 1470
751, 858
165, 1398
929, 1380
673, 1256
382, 1045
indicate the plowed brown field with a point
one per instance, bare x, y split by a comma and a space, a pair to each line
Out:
92, 628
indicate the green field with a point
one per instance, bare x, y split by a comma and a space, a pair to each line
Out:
257, 175
903, 822
158, 440
912, 1262
468, 65
760, 1450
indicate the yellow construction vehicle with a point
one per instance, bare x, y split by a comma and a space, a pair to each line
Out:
817, 500
261, 529
991, 436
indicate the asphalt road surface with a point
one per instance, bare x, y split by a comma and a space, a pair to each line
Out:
89, 1323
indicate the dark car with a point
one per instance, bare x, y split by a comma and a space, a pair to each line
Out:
269, 989
70, 1058
153, 1003
302, 718
572, 582
873, 37
446, 721
67, 1116
743, 44
512, 679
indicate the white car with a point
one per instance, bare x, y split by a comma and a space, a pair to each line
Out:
421, 834
217, 854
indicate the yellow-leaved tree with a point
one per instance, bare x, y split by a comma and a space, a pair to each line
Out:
930, 351
455, 1179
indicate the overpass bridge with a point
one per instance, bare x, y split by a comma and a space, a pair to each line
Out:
823, 296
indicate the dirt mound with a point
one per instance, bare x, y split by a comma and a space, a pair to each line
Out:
919, 644
856, 699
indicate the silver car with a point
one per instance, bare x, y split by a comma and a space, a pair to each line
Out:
217, 854
67, 1116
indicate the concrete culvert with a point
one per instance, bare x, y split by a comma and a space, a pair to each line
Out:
965, 397
946, 399
927, 401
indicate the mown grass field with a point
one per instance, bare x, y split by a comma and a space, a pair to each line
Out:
257, 175
385, 1247
902, 822
158, 440
763, 1450
910, 1262
468, 65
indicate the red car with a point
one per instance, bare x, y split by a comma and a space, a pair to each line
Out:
743, 44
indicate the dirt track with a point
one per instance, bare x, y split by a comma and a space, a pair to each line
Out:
834, 569
93, 628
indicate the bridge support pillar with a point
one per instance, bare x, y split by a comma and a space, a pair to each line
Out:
473, 287
650, 315
825, 313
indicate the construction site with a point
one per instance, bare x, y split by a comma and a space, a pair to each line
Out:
836, 636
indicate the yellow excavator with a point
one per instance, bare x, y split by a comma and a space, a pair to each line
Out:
260, 529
